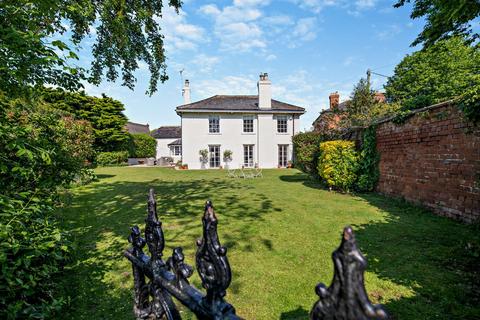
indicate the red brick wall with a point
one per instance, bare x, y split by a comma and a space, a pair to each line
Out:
432, 159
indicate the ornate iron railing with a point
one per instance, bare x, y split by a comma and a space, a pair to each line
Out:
344, 299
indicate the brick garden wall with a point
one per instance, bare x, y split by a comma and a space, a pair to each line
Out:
432, 159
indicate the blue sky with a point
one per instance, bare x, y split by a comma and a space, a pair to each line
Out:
309, 48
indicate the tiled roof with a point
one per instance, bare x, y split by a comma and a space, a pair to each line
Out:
167, 132
177, 142
133, 127
236, 103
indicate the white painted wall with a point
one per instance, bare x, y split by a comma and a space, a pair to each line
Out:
164, 151
195, 136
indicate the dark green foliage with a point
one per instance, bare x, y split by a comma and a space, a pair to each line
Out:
450, 69
142, 146
368, 172
306, 149
338, 164
361, 101
105, 115
444, 19
42, 149
126, 32
112, 158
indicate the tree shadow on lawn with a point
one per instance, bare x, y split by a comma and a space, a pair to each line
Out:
426, 253
437, 258
102, 214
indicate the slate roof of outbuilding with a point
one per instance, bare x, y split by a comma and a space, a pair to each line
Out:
133, 127
167, 132
177, 142
237, 103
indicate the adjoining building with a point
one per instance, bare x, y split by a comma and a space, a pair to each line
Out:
169, 142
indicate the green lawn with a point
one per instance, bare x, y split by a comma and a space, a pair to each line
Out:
280, 231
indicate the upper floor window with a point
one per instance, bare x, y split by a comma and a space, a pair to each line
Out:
248, 124
214, 124
282, 124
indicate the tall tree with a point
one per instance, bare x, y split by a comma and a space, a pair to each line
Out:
444, 19
104, 114
36, 49
446, 70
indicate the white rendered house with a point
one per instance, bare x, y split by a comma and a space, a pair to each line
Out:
257, 129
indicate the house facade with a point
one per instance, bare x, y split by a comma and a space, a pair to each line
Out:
256, 129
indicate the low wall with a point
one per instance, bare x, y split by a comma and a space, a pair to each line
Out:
432, 159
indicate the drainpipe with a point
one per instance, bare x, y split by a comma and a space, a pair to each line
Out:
258, 142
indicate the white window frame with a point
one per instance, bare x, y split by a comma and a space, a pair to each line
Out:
282, 127
248, 126
176, 150
214, 156
248, 155
283, 155
214, 124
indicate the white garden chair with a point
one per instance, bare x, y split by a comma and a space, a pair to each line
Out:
232, 173
258, 173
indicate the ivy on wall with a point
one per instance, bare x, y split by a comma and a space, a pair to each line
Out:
368, 172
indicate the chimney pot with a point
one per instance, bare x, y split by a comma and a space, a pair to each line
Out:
334, 99
264, 92
186, 92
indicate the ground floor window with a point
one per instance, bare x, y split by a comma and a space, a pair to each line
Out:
248, 155
214, 156
282, 155
176, 150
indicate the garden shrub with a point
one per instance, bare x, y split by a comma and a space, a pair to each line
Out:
368, 172
306, 150
42, 150
142, 146
112, 158
338, 163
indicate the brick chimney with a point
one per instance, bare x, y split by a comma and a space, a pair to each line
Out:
334, 100
379, 97
264, 92
186, 92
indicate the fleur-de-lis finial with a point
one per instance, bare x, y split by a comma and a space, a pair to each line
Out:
211, 260
346, 298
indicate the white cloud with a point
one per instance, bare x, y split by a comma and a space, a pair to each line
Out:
388, 32
270, 57
205, 63
352, 7
237, 26
305, 29
210, 9
179, 34
348, 61
231, 85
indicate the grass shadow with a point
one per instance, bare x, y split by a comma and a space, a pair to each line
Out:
101, 222
297, 314
440, 267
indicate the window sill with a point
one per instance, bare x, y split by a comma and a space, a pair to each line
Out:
249, 133
283, 133
215, 133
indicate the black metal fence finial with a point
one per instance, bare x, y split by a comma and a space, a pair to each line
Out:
346, 298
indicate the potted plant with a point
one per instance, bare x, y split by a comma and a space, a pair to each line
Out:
227, 157
290, 164
203, 157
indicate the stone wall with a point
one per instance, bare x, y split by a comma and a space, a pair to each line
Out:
432, 159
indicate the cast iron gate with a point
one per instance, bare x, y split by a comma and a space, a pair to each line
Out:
344, 299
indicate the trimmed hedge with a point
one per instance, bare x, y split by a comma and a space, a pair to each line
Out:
306, 151
112, 158
338, 164
142, 146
